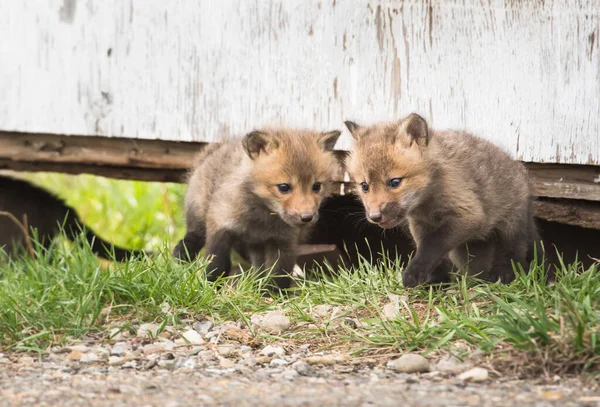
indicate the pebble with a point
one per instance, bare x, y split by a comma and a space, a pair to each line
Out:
322, 311
277, 362
120, 348
289, 374
148, 330
75, 355
449, 363
80, 348
409, 363
192, 337
325, 359
203, 327
226, 363
185, 363
153, 348
477, 374
206, 355
390, 311
302, 368
275, 322
26, 360
228, 350
270, 350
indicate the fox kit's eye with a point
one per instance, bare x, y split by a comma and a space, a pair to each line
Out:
364, 186
394, 182
316, 187
284, 188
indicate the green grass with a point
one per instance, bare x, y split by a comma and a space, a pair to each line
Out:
66, 293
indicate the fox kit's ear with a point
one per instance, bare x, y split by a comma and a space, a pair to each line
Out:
258, 141
416, 129
327, 140
353, 127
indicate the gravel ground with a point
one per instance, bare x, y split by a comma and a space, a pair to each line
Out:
206, 365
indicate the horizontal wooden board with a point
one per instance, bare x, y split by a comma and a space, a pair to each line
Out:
524, 74
578, 213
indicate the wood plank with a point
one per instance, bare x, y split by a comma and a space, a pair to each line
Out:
121, 152
565, 181
571, 212
523, 74
168, 161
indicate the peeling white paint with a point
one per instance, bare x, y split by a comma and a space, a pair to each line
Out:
524, 74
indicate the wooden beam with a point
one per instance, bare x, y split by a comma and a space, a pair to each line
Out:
565, 181
99, 151
158, 160
571, 212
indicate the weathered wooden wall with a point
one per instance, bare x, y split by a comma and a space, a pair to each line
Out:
522, 73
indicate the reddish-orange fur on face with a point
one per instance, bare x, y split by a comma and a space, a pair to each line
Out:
384, 152
296, 158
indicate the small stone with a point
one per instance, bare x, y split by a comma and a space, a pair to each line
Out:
225, 363
390, 311
245, 349
227, 350
165, 335
448, 363
409, 363
477, 374
165, 307
275, 322
148, 330
206, 355
167, 364
153, 348
289, 374
185, 363
277, 363
302, 367
26, 360
114, 360
150, 364
192, 337
75, 356
131, 364
322, 311
203, 327
325, 359
89, 358
270, 351
80, 348
120, 348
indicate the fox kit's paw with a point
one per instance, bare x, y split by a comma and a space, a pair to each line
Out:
188, 248
414, 275
411, 277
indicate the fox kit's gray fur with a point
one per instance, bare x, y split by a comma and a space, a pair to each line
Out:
45, 213
257, 195
461, 195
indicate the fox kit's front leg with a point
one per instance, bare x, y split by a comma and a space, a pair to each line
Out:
282, 258
432, 246
218, 249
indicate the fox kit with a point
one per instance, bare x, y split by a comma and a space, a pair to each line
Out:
460, 194
258, 195
45, 213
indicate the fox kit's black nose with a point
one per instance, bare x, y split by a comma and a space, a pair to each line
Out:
306, 217
375, 217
